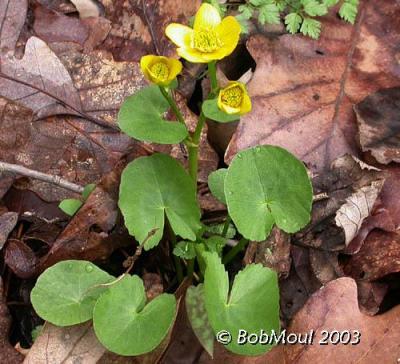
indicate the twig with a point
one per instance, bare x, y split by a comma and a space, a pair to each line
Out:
133, 259
320, 196
56, 180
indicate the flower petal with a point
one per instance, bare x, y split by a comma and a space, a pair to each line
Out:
230, 110
206, 17
192, 55
145, 63
175, 68
179, 34
246, 104
229, 34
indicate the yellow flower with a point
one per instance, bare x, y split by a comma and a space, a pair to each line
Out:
210, 39
234, 99
160, 70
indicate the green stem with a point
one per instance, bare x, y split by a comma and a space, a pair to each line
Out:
226, 226
212, 73
173, 105
235, 250
193, 147
190, 268
177, 262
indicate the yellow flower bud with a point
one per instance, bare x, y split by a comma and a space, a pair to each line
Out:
234, 99
160, 70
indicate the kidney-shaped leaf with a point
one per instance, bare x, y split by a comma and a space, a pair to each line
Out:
252, 305
152, 187
266, 185
216, 184
123, 322
65, 293
141, 118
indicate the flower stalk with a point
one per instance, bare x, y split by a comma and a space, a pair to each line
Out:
173, 105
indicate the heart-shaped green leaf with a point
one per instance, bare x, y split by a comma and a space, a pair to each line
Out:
123, 322
266, 185
252, 305
216, 184
211, 111
196, 311
65, 293
141, 118
152, 187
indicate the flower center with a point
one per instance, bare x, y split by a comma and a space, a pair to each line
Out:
206, 41
160, 71
232, 96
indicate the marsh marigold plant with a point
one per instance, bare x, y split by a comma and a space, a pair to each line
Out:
158, 198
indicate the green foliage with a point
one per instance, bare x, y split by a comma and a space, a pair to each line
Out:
88, 190
298, 14
65, 293
293, 22
185, 249
269, 13
215, 244
196, 312
311, 27
211, 111
141, 117
252, 304
123, 322
219, 228
266, 185
153, 188
71, 205
216, 184
348, 10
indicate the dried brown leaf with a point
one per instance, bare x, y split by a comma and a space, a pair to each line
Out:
52, 27
39, 80
93, 233
357, 208
138, 26
72, 148
378, 117
7, 353
70, 345
347, 179
8, 221
303, 90
378, 257
273, 253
